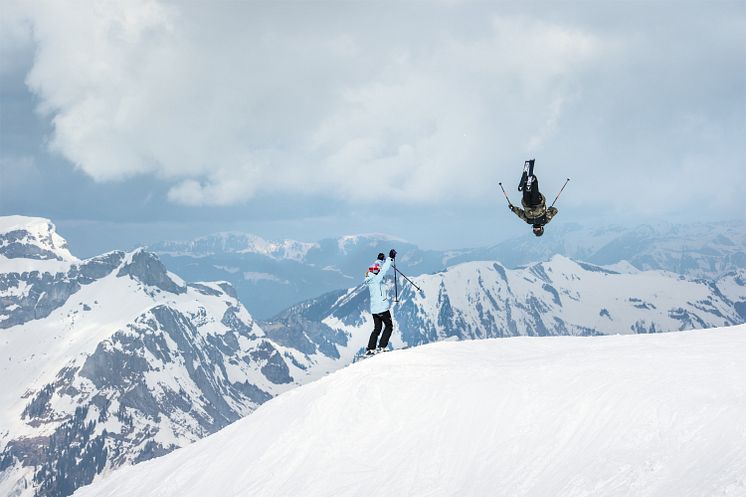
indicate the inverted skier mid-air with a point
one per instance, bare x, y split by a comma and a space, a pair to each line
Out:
535, 211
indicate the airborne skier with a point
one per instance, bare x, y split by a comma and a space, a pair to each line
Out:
534, 210
379, 302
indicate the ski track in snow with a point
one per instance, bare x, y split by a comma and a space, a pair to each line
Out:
636, 415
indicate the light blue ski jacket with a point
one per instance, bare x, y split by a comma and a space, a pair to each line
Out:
379, 299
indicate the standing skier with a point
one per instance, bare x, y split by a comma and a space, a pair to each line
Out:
379, 302
534, 210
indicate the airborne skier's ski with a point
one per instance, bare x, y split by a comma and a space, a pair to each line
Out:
528, 171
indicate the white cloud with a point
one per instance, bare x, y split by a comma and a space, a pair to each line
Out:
230, 99
421, 103
15, 37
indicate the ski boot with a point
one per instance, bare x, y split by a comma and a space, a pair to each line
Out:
529, 182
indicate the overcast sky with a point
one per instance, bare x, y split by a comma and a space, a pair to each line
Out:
129, 122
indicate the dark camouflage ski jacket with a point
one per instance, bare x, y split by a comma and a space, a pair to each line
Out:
535, 214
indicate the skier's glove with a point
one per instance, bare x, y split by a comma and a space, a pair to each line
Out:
392, 253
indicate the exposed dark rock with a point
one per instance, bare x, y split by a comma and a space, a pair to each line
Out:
231, 319
39, 405
274, 368
149, 270
228, 289
204, 289
741, 309
12, 246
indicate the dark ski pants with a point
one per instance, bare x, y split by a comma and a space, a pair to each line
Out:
532, 196
378, 320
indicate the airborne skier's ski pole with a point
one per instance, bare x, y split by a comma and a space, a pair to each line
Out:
505, 193
405, 277
560, 192
396, 285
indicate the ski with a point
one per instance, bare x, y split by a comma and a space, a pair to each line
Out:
359, 358
528, 170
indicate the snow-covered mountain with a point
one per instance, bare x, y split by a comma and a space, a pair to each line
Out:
696, 250
660, 415
32, 238
113, 360
486, 300
237, 243
269, 276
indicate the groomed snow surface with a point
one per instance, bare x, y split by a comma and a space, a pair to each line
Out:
636, 415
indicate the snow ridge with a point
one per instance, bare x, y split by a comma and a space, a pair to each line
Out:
236, 243
643, 415
23, 237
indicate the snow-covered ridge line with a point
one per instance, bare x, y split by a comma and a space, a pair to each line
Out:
44, 291
345, 241
23, 237
694, 251
486, 300
235, 242
270, 276
611, 416
31, 224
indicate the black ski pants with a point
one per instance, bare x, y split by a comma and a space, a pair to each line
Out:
379, 320
532, 196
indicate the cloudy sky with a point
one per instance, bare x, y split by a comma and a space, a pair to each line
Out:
130, 122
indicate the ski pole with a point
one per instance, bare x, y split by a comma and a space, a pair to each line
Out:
405, 277
396, 285
560, 192
505, 193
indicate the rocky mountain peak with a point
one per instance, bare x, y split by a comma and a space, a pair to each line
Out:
148, 269
32, 238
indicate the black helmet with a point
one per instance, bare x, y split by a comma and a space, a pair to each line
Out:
538, 229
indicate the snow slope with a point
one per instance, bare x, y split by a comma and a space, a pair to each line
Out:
636, 415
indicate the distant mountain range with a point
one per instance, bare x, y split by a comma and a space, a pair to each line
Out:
270, 276
487, 300
701, 250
